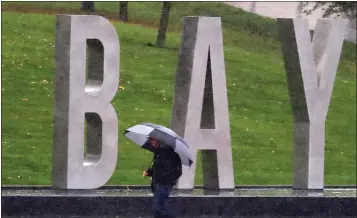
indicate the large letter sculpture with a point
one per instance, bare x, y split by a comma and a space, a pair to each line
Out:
77, 99
311, 70
200, 108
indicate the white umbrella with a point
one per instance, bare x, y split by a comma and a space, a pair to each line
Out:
140, 134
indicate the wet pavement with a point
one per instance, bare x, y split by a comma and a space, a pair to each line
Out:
176, 217
340, 202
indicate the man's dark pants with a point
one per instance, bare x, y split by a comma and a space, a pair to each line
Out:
161, 195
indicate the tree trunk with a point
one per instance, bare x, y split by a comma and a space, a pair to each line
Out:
88, 6
164, 22
252, 7
123, 13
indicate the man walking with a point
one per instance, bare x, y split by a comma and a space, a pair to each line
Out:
165, 172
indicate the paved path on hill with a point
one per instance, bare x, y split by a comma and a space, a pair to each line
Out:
288, 10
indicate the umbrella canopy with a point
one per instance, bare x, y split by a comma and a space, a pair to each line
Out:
140, 134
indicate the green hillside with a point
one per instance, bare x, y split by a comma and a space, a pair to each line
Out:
260, 115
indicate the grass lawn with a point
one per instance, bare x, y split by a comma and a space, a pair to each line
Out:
260, 115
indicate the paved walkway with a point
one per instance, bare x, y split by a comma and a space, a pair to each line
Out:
176, 217
287, 10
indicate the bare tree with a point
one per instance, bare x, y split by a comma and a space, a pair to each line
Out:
164, 22
123, 12
299, 9
345, 8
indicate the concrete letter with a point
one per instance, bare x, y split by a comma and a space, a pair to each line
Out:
200, 108
311, 70
76, 99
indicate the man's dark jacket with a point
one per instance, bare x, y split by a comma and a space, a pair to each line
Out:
166, 168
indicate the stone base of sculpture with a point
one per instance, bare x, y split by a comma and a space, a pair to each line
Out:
136, 201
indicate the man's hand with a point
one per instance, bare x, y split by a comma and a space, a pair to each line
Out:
145, 173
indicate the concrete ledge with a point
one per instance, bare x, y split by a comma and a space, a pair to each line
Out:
110, 202
144, 187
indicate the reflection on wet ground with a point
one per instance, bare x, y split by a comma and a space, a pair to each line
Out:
176, 217
248, 192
